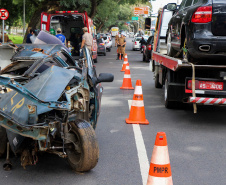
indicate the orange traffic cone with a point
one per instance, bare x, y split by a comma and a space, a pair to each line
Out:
137, 112
120, 56
127, 82
124, 63
160, 170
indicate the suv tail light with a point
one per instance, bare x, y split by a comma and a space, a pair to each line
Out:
149, 47
102, 44
135, 43
202, 15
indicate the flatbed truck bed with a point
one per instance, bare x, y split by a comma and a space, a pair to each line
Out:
185, 82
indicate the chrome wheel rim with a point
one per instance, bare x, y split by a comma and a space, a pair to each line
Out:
168, 43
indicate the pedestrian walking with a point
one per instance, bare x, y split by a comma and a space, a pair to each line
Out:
34, 36
60, 36
28, 40
87, 39
121, 46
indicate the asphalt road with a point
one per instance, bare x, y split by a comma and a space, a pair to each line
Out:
196, 141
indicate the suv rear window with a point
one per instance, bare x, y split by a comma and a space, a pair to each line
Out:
188, 3
195, 1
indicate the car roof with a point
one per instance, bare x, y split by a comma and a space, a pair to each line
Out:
37, 50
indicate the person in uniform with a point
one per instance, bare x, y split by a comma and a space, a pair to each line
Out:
6, 38
87, 39
121, 46
116, 40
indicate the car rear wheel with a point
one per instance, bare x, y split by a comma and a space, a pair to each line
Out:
83, 149
170, 51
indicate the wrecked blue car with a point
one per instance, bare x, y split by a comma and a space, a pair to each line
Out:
50, 102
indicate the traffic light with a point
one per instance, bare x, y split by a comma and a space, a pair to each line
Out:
147, 23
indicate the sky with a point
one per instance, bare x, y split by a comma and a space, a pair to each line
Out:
160, 3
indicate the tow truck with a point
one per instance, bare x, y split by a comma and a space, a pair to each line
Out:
185, 82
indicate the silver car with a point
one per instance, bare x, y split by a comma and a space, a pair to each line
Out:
136, 43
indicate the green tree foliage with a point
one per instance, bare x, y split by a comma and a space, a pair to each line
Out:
105, 13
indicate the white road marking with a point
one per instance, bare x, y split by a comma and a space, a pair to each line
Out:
113, 131
141, 151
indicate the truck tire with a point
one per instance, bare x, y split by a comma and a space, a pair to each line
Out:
3, 139
83, 155
157, 84
95, 60
168, 104
144, 58
170, 51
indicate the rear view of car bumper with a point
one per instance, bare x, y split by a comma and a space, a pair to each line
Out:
101, 50
136, 47
208, 48
203, 44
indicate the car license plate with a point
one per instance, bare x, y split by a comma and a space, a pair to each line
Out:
211, 85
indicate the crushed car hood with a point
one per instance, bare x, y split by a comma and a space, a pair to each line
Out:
48, 86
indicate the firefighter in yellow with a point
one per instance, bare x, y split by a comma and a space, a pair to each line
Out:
121, 46
116, 40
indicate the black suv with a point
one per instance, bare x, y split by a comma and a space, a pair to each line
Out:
198, 30
147, 50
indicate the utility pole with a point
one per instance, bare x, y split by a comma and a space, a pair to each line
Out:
24, 18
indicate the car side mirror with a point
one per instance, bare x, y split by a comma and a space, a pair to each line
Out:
105, 77
171, 6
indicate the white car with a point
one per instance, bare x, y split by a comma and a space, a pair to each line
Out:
108, 42
136, 43
131, 34
136, 35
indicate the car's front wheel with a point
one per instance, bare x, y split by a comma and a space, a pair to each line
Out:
83, 149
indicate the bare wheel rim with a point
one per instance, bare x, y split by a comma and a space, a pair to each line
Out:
169, 43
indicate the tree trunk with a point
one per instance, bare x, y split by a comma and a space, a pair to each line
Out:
93, 9
35, 19
35, 22
100, 27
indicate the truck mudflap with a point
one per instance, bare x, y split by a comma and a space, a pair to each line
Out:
207, 101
